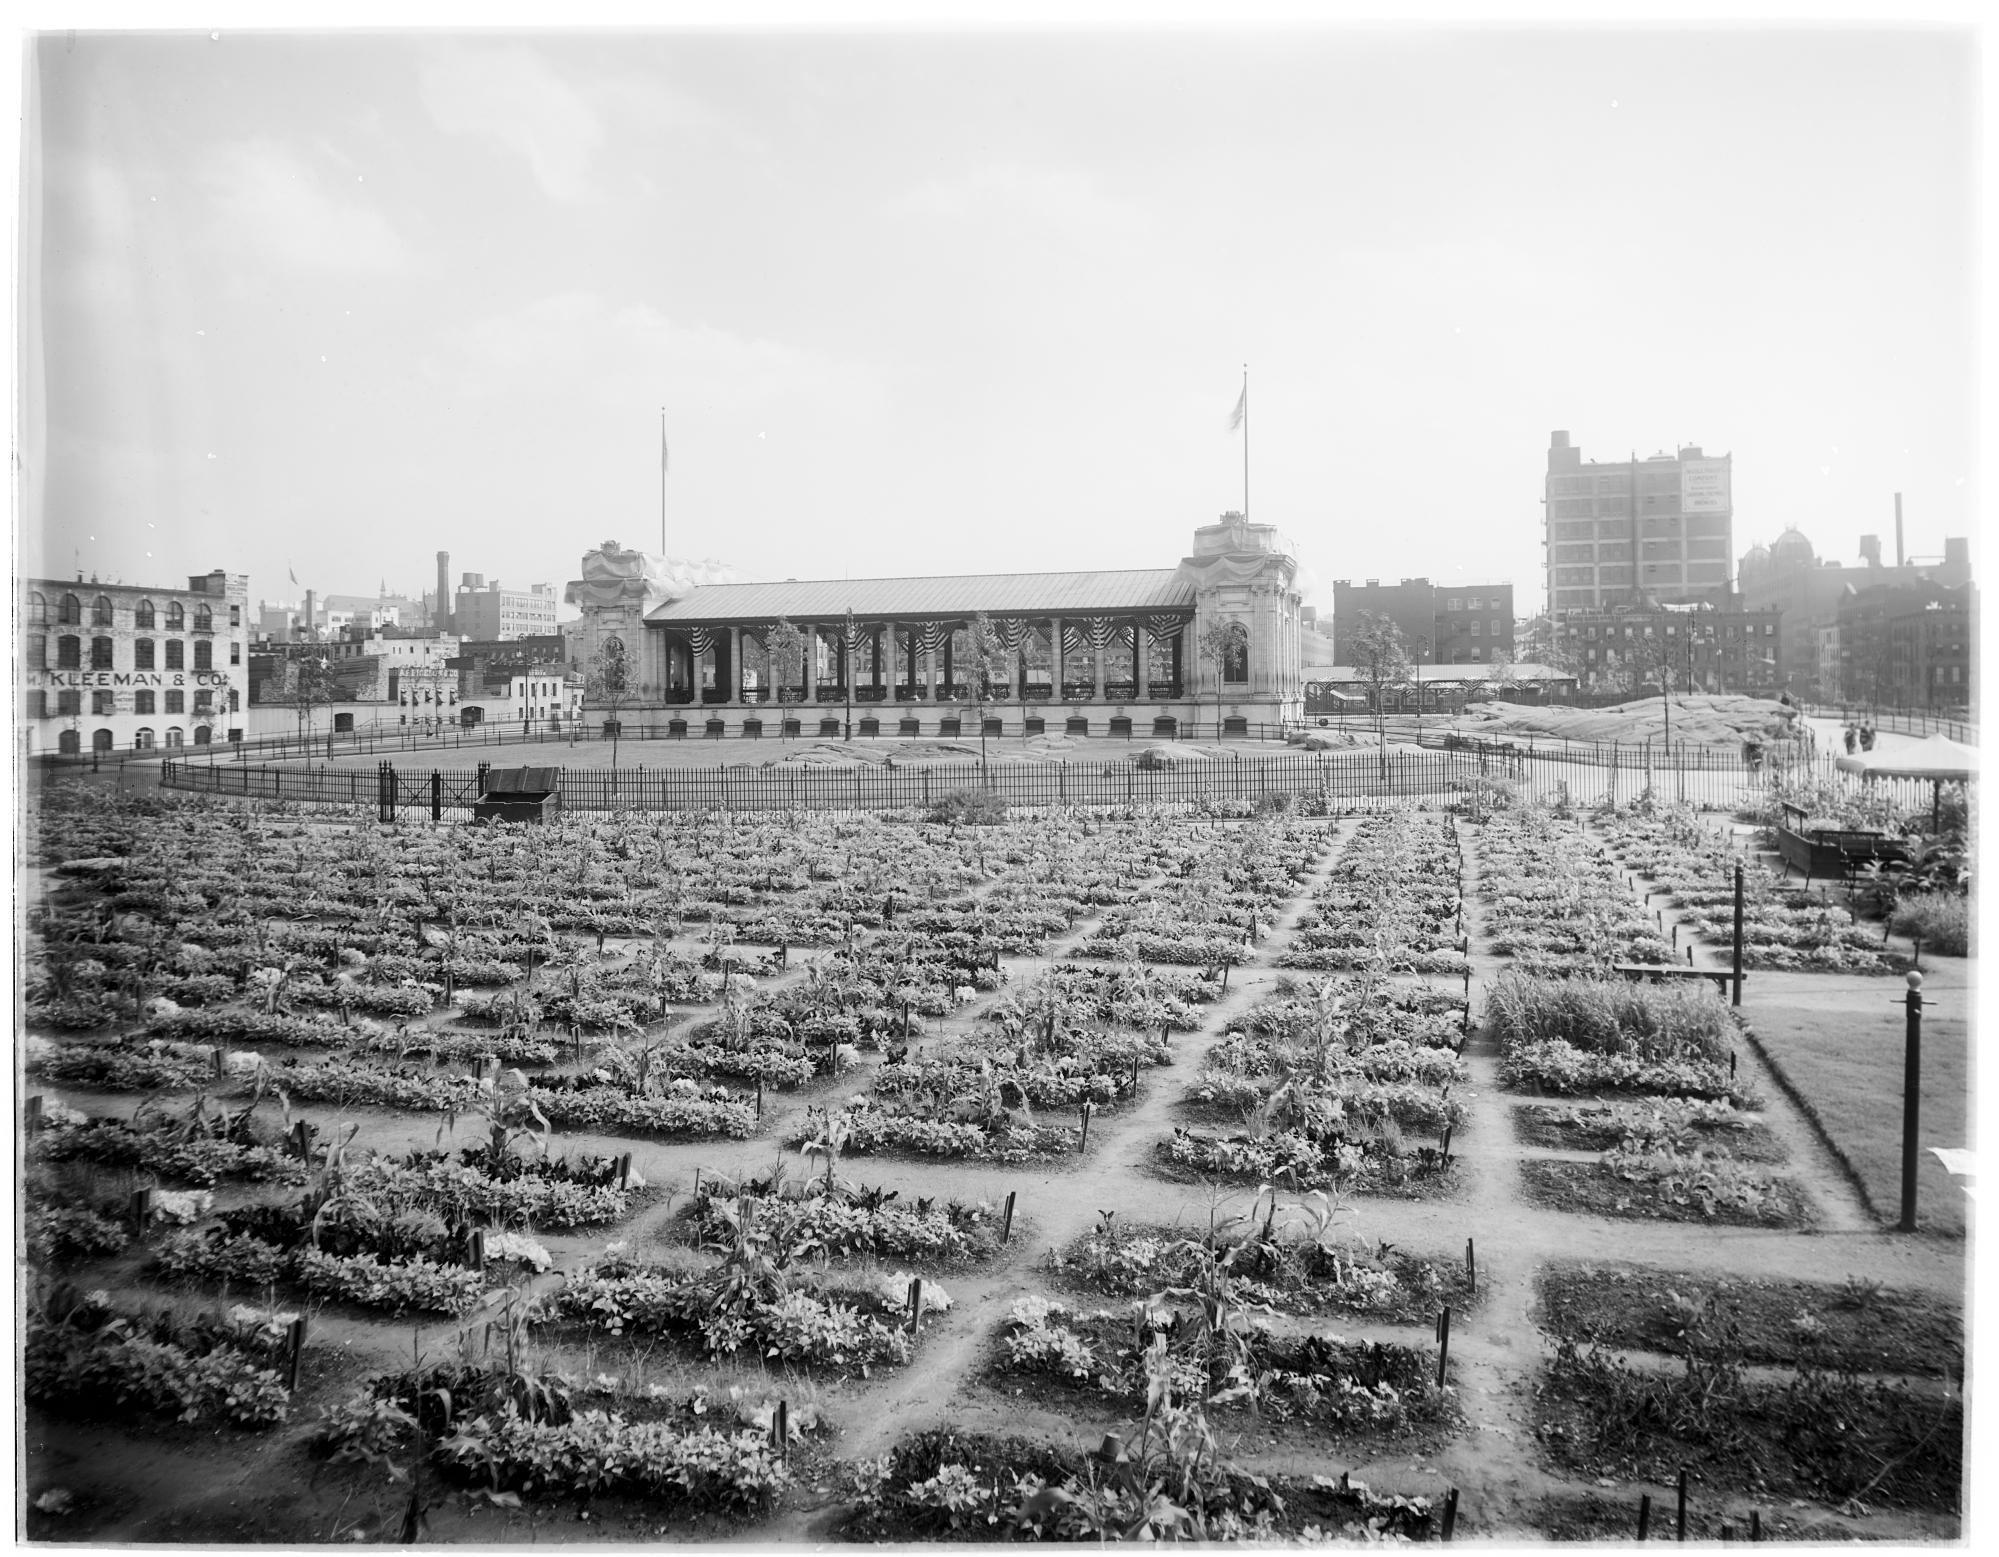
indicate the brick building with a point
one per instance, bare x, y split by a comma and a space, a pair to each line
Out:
128, 667
1455, 624
1909, 645
1705, 647
1661, 527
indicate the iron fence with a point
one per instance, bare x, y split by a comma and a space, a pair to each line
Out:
1343, 779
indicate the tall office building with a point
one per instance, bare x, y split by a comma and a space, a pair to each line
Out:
1616, 533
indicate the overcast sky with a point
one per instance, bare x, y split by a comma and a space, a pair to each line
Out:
922, 304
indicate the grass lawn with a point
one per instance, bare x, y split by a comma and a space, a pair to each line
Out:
1839, 1039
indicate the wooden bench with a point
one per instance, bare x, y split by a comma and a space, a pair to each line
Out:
1658, 972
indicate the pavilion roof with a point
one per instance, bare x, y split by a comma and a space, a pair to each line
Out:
946, 596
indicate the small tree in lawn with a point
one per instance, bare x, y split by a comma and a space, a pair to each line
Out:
1222, 643
985, 661
1382, 659
784, 655
610, 685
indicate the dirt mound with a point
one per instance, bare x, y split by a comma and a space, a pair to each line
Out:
1701, 719
873, 754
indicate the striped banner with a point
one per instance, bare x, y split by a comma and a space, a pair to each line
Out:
700, 639
1012, 632
932, 636
1165, 627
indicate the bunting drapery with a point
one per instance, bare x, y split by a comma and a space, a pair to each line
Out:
1165, 627
932, 636
1011, 631
701, 639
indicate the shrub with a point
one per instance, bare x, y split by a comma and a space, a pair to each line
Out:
969, 807
89, 1361
1940, 920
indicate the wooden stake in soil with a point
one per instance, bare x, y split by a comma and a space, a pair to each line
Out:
1756, 1524
31, 1114
780, 1428
1644, 1515
1006, 1225
1450, 1514
625, 1171
478, 1248
760, 1097
915, 1304
142, 1207
1443, 1345
1085, 1144
1471, 1266
218, 1062
296, 1339
1680, 1517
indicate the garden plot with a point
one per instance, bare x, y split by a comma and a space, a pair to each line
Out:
1789, 928
1391, 902
1672, 1156
714, 1355
1330, 1081
1306, 1265
1023, 1084
1216, 900
1553, 903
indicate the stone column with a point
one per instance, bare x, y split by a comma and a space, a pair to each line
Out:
739, 663
811, 694
1141, 667
1055, 655
1097, 659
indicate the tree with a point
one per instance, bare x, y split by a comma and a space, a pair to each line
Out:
1223, 643
1382, 659
985, 661
311, 689
784, 656
609, 686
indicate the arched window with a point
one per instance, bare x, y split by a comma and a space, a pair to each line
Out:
142, 738
204, 620
142, 654
204, 654
100, 611
69, 652
176, 617
68, 743
173, 735
72, 611
176, 654
100, 654
38, 608
101, 740
142, 614
1235, 653
203, 735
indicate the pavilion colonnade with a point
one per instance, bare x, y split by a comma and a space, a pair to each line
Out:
1066, 659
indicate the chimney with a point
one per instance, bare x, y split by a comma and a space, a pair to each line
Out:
443, 613
309, 615
1870, 550
1898, 529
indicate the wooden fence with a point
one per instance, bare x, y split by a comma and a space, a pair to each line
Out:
1345, 779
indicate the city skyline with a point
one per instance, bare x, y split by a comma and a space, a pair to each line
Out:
942, 304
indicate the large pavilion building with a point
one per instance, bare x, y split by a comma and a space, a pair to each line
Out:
1116, 653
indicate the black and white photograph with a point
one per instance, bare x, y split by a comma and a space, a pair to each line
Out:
1125, 776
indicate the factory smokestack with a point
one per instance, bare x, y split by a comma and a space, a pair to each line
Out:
442, 614
1898, 530
308, 615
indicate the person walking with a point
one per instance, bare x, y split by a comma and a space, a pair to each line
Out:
1867, 737
1852, 739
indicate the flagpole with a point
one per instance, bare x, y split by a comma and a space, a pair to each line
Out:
1245, 443
662, 481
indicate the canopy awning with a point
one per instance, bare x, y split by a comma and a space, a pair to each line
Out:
1935, 757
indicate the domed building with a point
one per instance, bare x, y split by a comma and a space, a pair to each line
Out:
1792, 550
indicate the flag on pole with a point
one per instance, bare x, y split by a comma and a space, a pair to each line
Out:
293, 572
662, 445
1241, 408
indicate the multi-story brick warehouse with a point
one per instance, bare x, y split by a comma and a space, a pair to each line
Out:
1660, 527
127, 667
1441, 624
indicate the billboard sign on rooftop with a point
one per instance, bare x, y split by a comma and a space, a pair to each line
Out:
1704, 486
